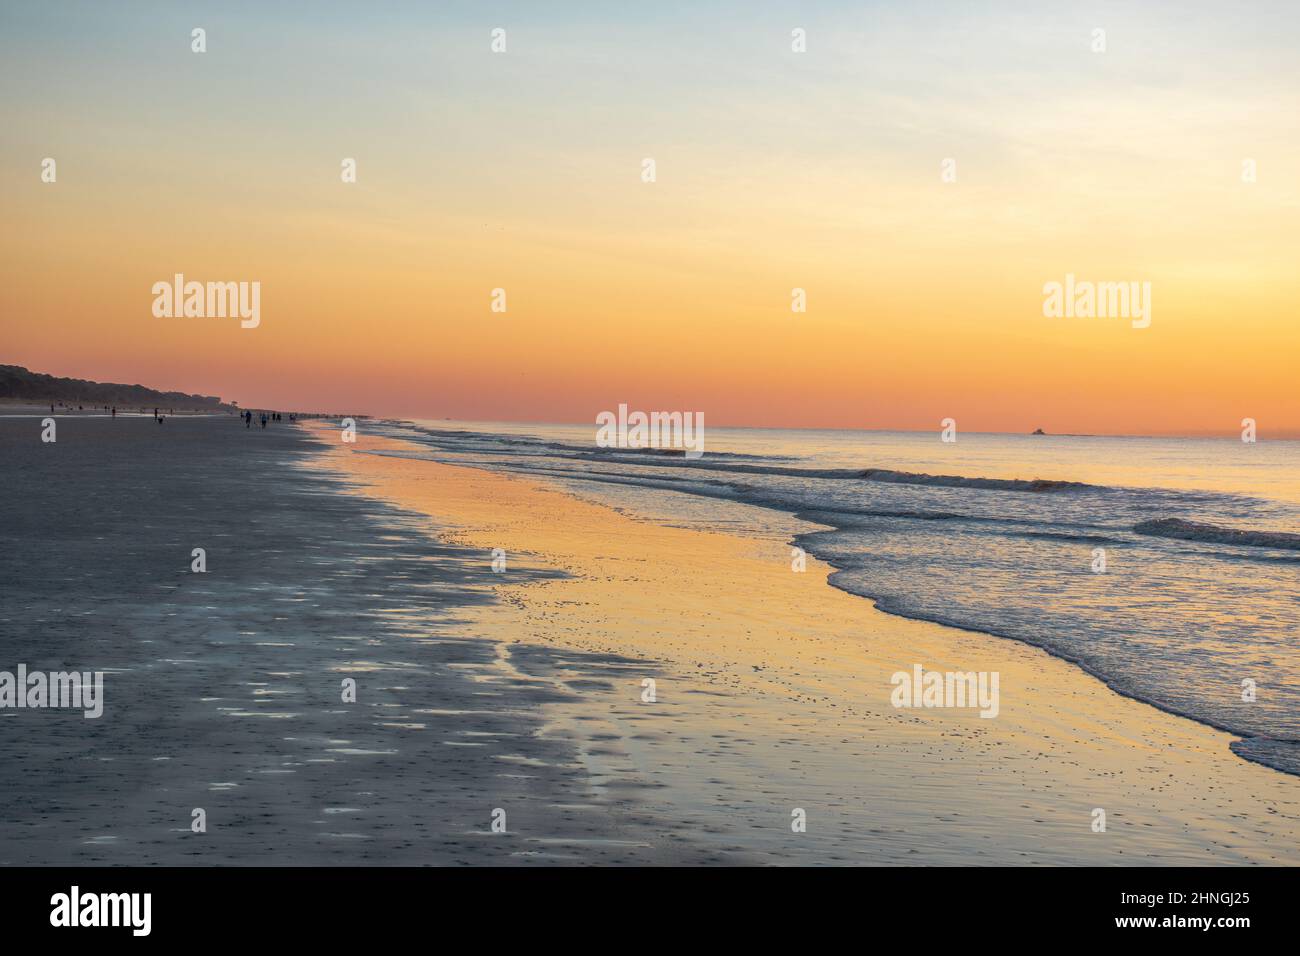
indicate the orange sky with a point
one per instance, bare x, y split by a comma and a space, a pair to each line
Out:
775, 170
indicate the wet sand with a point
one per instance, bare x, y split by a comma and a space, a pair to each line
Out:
772, 694
224, 689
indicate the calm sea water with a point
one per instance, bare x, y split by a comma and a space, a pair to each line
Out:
1002, 534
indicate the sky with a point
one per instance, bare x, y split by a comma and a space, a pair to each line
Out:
775, 170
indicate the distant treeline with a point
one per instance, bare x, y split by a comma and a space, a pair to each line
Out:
18, 383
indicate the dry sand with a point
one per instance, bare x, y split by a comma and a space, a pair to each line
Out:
772, 694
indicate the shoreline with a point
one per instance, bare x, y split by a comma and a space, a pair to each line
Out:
1238, 737
771, 686
1264, 732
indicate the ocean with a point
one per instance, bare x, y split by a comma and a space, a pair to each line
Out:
1169, 568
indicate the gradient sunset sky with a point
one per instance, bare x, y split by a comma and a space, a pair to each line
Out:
775, 170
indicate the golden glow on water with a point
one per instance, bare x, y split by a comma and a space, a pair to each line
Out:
1265, 469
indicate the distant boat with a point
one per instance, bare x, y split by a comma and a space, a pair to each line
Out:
1038, 431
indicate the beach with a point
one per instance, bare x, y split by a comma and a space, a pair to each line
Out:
223, 689
773, 695
501, 632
